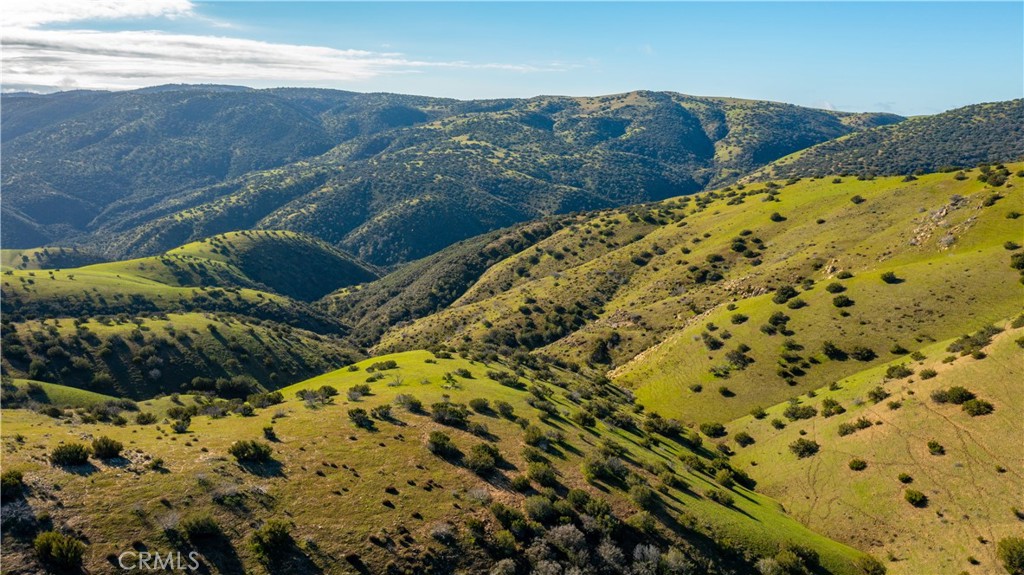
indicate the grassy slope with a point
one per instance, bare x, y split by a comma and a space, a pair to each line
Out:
248, 273
312, 495
657, 312
970, 500
179, 346
47, 258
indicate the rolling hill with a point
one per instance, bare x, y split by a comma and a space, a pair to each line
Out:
960, 138
387, 177
708, 306
427, 484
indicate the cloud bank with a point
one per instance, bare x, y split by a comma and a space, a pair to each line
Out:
43, 59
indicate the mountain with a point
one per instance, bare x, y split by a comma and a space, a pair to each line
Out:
439, 464
709, 305
390, 178
960, 138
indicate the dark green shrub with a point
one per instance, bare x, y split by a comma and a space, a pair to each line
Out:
804, 447
504, 408
720, 497
12, 484
447, 413
842, 301
250, 451
905, 478
482, 459
915, 498
69, 454
861, 353
542, 473
643, 496
360, 418
936, 448
835, 287
59, 551
927, 373
976, 407
878, 394
712, 429
890, 278
145, 418
440, 444
794, 412
199, 527
106, 448
271, 540
521, 483
1011, 552
539, 509
743, 439
858, 464
480, 405
408, 402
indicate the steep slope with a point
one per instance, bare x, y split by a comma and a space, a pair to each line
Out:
143, 356
964, 137
683, 300
971, 477
390, 178
505, 484
259, 274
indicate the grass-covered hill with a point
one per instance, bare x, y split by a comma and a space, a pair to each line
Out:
407, 463
391, 178
47, 258
711, 305
964, 137
140, 357
259, 274
918, 461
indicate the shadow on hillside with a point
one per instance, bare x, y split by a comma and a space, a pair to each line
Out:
85, 469
220, 553
271, 468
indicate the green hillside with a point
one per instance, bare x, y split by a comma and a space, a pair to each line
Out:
678, 299
960, 138
521, 502
142, 356
973, 486
390, 178
250, 273
47, 258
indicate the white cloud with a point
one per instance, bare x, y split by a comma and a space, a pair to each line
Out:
34, 13
38, 58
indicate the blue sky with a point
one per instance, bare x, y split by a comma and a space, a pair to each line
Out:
908, 58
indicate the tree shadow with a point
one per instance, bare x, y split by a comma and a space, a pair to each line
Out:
270, 468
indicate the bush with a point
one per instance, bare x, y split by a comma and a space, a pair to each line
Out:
643, 496
842, 301
69, 454
542, 473
440, 444
482, 459
915, 498
250, 451
106, 448
59, 551
409, 403
360, 418
835, 287
521, 483
744, 439
269, 541
145, 418
504, 408
1011, 552
713, 429
898, 371
861, 353
480, 405
446, 413
878, 394
720, 497
199, 527
905, 478
794, 412
858, 464
804, 447
890, 278
539, 509
12, 484
927, 373
936, 448
976, 407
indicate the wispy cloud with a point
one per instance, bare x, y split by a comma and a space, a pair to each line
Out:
35, 57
